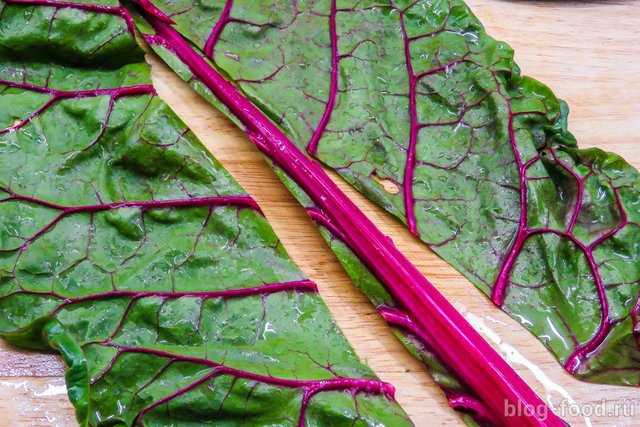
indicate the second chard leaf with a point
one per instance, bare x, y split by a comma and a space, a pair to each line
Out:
422, 111
130, 250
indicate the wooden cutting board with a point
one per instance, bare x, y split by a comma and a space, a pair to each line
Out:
588, 52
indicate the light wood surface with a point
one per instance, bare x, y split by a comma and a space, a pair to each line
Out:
587, 52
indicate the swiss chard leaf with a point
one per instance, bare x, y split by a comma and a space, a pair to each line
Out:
427, 323
130, 250
476, 159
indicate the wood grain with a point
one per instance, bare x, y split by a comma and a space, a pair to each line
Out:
587, 52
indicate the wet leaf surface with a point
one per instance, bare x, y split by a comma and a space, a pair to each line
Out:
418, 96
130, 250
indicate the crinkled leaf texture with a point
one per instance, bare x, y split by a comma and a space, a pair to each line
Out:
472, 407
128, 248
418, 108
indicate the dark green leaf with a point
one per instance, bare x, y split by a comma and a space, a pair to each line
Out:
478, 159
130, 250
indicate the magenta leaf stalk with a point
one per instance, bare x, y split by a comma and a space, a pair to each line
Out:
427, 115
129, 250
452, 337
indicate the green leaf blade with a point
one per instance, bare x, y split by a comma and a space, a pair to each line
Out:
416, 96
130, 250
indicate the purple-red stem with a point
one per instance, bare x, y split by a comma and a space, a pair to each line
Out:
242, 201
635, 316
57, 95
309, 387
466, 402
322, 219
409, 202
455, 340
457, 399
89, 7
312, 147
399, 319
217, 29
266, 289
498, 295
